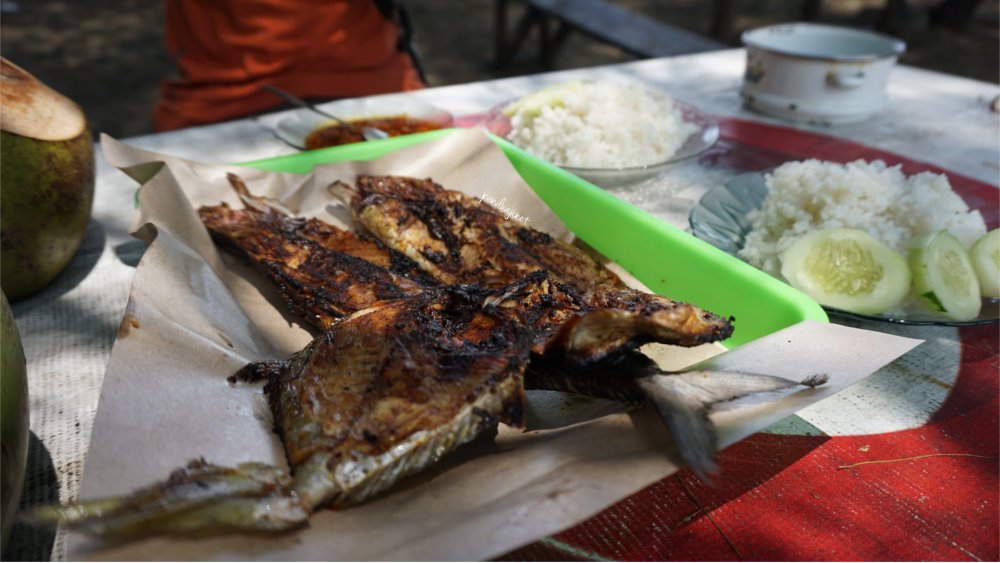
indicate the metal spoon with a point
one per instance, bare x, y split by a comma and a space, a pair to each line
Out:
369, 133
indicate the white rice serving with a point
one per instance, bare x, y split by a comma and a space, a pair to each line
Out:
809, 195
603, 124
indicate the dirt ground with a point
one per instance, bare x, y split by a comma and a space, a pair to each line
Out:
108, 55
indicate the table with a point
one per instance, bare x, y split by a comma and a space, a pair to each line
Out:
815, 509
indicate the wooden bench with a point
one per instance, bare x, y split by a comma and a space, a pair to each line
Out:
634, 33
724, 13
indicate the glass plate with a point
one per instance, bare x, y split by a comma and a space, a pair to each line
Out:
700, 141
720, 219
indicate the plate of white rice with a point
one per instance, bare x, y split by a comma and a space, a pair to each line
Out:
608, 132
756, 216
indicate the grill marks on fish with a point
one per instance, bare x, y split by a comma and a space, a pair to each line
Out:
323, 273
371, 251
418, 376
412, 215
459, 239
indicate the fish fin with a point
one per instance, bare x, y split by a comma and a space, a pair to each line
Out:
239, 186
257, 203
259, 371
684, 399
718, 386
343, 191
199, 499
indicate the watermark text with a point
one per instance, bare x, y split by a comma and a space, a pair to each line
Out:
501, 206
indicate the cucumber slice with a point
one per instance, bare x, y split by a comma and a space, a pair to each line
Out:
552, 96
985, 255
847, 269
943, 278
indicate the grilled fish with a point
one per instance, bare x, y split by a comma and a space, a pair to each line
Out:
596, 320
457, 239
430, 332
426, 236
383, 393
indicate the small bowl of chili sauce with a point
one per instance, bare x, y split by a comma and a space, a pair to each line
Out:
307, 130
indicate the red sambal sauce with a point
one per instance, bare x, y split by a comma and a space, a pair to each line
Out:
340, 134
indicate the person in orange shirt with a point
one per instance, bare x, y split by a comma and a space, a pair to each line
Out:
227, 50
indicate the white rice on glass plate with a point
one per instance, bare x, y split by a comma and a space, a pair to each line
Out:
808, 195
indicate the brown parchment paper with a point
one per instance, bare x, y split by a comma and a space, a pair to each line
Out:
196, 315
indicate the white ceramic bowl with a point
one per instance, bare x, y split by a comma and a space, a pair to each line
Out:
818, 73
297, 125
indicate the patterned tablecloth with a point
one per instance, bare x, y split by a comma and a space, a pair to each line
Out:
902, 466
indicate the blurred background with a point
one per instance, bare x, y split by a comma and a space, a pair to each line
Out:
109, 56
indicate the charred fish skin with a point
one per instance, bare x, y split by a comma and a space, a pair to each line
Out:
337, 286
389, 390
326, 273
316, 283
455, 237
460, 239
323, 273
381, 375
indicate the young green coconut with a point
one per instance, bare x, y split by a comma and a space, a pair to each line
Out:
13, 417
47, 185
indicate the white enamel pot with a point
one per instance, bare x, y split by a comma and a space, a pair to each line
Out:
818, 73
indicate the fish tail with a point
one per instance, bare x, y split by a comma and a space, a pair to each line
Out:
815, 380
683, 401
198, 500
686, 419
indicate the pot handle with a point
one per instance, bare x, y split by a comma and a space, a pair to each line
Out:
845, 77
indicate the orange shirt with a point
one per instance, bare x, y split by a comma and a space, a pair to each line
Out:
226, 50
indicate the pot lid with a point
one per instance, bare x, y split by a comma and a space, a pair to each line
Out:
824, 42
